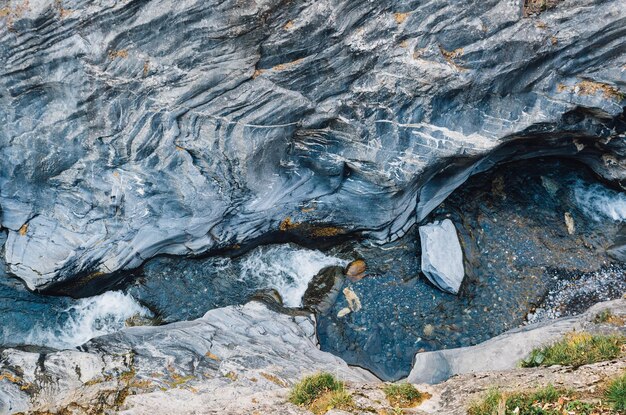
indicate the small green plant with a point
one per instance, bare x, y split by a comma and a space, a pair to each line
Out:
549, 401
602, 317
403, 395
320, 393
607, 317
534, 402
576, 349
488, 405
616, 393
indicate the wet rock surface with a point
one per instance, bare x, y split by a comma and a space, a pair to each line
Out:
517, 250
132, 129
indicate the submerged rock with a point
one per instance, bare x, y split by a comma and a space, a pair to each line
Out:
442, 256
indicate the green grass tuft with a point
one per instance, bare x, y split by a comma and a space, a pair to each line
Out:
403, 395
576, 349
312, 387
616, 393
488, 405
543, 401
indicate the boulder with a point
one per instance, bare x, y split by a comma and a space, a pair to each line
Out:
355, 270
323, 289
442, 257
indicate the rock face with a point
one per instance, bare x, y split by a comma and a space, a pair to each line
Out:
504, 352
131, 129
442, 257
240, 351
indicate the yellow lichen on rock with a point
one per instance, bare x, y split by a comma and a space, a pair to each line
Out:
400, 17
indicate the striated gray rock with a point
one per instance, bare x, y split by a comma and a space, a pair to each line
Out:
504, 352
231, 354
442, 257
137, 128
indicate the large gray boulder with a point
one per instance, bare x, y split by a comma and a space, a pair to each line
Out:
132, 129
442, 256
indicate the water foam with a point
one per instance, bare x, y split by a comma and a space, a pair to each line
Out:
88, 318
599, 202
286, 268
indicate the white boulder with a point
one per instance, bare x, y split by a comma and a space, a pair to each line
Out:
442, 257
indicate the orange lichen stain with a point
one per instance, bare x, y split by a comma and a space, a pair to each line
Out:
23, 229
287, 224
13, 13
116, 173
212, 356
400, 17
257, 72
404, 44
283, 66
10, 377
274, 379
451, 56
591, 88
179, 148
62, 11
327, 231
146, 68
121, 53
417, 54
288, 25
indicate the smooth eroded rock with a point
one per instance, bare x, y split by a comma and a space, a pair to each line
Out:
131, 130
